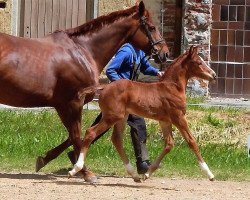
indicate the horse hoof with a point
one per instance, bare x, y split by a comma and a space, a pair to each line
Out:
39, 163
89, 177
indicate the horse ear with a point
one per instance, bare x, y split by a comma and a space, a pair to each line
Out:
191, 50
141, 8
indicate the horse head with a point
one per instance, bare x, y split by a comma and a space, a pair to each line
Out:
147, 36
197, 67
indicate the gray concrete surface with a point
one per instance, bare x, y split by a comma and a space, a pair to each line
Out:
216, 102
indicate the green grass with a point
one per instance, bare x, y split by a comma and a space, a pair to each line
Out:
24, 135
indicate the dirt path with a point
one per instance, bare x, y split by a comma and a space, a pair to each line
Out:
50, 187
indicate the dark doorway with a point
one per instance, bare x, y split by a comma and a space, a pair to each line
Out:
172, 22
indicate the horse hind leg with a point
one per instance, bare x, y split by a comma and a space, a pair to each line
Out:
117, 140
169, 143
52, 154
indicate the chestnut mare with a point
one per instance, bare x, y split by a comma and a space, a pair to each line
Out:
51, 71
164, 101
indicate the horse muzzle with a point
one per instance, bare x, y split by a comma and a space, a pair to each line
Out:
161, 57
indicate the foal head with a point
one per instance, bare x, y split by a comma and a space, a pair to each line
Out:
147, 36
197, 67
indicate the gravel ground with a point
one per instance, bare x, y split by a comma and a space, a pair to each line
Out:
51, 187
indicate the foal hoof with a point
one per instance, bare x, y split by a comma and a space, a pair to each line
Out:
145, 176
212, 179
69, 175
39, 163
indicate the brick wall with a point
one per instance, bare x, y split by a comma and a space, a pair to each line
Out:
172, 23
230, 41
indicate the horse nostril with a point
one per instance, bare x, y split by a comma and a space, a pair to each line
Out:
166, 55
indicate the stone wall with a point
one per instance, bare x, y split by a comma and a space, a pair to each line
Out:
197, 25
5, 17
196, 31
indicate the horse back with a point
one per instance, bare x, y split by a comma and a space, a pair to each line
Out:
36, 72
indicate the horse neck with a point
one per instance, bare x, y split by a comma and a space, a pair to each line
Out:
177, 73
103, 44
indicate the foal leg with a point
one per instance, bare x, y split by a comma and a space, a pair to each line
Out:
182, 125
117, 140
90, 135
71, 118
169, 143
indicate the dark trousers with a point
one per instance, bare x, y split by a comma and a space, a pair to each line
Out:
138, 135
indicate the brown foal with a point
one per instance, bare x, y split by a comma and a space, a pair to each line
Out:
164, 101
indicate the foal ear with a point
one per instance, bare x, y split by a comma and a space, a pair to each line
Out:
195, 50
141, 8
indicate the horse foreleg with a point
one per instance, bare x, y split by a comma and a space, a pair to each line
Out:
182, 125
52, 154
169, 143
117, 140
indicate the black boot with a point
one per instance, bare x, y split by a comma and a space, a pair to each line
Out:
142, 166
139, 137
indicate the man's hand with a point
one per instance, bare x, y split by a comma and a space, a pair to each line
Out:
160, 74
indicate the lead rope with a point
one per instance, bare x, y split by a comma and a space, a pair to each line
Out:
136, 68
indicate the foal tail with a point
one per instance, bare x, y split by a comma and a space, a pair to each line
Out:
88, 90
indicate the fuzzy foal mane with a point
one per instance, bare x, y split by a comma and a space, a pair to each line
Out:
176, 62
95, 24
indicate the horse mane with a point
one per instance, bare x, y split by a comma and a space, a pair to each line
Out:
96, 24
176, 62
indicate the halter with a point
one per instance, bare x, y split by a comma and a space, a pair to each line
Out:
154, 51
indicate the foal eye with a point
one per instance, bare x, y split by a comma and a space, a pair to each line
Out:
152, 28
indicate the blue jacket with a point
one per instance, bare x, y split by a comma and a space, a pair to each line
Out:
121, 67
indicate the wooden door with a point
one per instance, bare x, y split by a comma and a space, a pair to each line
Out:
41, 17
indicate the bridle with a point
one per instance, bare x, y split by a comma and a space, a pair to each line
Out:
153, 43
